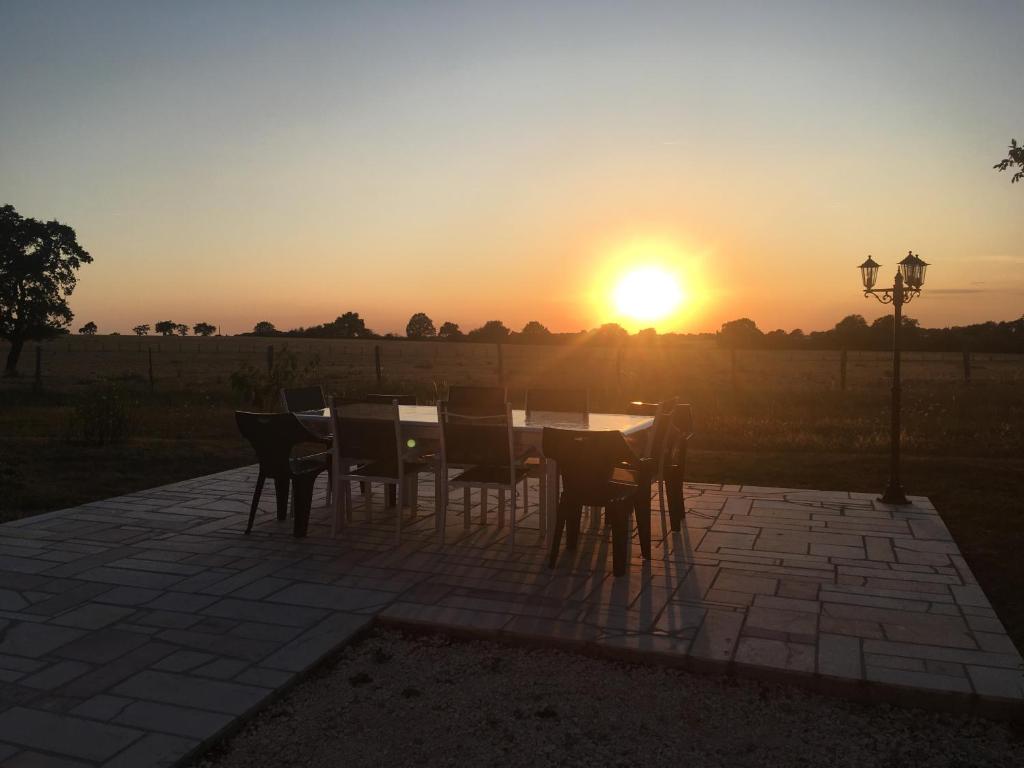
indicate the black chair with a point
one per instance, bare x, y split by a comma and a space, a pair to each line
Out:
469, 399
303, 399
385, 399
573, 402
599, 469
675, 469
657, 443
308, 399
368, 448
481, 443
273, 436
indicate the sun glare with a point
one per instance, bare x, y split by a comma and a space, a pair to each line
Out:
647, 294
649, 282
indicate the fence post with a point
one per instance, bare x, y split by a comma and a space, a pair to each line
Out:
151, 382
967, 366
270, 358
37, 384
842, 370
378, 368
501, 365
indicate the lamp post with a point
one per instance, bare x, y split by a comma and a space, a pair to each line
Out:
906, 286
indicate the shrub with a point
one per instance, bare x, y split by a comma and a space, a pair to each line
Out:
102, 415
259, 388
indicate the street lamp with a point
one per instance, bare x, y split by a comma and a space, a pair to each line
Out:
907, 284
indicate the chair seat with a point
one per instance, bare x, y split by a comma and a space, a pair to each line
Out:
304, 465
488, 475
612, 492
388, 469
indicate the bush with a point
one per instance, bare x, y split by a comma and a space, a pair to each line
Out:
101, 416
255, 387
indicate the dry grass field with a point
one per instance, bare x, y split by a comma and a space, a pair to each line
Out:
208, 362
776, 419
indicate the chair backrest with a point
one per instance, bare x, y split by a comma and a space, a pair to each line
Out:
471, 399
367, 432
682, 418
303, 398
477, 438
586, 460
385, 398
660, 434
558, 400
273, 435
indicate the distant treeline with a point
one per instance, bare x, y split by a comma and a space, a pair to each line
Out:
852, 332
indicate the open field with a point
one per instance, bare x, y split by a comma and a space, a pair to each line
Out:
185, 362
783, 421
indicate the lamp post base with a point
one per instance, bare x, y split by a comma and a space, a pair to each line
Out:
894, 494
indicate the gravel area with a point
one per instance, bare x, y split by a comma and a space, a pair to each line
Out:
405, 700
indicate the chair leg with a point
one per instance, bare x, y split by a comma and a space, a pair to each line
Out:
618, 515
676, 506
561, 520
347, 502
466, 504
302, 500
542, 505
392, 495
512, 509
663, 515
414, 495
440, 504
364, 489
260, 479
643, 528
281, 486
501, 508
572, 526
483, 506
337, 506
399, 490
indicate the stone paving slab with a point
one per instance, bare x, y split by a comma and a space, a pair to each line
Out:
134, 631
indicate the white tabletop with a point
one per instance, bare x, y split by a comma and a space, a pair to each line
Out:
426, 415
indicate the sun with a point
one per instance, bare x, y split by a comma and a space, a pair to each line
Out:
647, 294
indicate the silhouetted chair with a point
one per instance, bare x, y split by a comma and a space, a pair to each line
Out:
273, 436
384, 398
303, 399
368, 437
599, 469
308, 399
573, 402
468, 399
481, 443
656, 443
675, 469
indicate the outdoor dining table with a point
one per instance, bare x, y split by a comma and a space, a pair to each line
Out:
419, 422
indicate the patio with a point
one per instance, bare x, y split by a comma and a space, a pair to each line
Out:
135, 630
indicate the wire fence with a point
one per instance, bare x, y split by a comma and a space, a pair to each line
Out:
208, 363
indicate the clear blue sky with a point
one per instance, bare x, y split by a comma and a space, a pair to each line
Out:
239, 161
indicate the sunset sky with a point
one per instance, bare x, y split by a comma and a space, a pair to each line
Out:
236, 162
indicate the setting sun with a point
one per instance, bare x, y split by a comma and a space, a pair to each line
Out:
647, 294
650, 281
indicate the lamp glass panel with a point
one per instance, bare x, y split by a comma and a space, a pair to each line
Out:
869, 273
